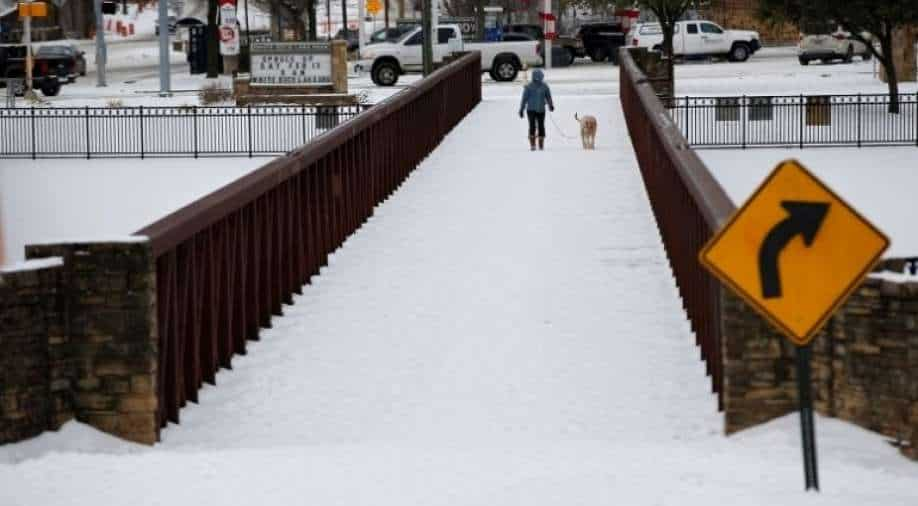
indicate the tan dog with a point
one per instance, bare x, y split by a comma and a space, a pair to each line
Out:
587, 131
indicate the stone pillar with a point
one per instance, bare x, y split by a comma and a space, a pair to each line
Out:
34, 386
108, 295
339, 65
904, 55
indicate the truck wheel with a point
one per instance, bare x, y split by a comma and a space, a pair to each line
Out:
50, 87
504, 70
571, 56
803, 61
598, 54
849, 54
739, 53
866, 56
385, 74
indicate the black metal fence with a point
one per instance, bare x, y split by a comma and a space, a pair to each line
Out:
189, 131
801, 120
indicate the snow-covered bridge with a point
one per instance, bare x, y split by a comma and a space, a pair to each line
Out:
503, 330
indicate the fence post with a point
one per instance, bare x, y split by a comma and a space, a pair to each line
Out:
195, 120
88, 140
303, 114
916, 118
250, 129
744, 105
802, 119
33, 132
858, 120
141, 134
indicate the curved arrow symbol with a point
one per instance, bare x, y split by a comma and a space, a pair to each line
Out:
804, 219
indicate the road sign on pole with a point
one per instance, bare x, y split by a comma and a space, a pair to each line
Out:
794, 252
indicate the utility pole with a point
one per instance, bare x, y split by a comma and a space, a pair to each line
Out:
248, 32
427, 51
386, 7
361, 15
101, 50
434, 22
344, 18
27, 40
549, 22
328, 34
165, 86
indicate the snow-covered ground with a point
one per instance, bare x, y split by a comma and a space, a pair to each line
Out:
776, 71
62, 200
504, 330
880, 182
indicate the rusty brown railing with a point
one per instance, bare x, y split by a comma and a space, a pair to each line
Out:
229, 261
688, 203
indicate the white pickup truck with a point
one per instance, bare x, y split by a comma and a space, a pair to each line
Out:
698, 38
386, 61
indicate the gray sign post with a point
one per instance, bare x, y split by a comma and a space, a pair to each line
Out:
165, 87
101, 50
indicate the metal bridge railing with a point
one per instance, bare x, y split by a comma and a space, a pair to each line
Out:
229, 261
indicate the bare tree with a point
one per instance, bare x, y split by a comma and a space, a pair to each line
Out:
297, 13
881, 18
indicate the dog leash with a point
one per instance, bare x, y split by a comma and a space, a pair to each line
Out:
558, 128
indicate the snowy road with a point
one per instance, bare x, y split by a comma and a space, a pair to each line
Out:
504, 331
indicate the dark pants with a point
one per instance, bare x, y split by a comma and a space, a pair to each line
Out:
536, 119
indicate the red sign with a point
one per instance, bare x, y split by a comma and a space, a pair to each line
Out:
227, 34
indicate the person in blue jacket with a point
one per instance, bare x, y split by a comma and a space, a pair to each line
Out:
536, 95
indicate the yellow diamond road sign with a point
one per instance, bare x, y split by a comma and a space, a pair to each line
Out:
795, 251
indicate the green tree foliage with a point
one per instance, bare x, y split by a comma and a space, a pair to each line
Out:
879, 18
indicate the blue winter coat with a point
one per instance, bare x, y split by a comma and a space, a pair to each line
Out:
536, 94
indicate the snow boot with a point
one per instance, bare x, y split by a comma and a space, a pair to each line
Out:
541, 143
532, 143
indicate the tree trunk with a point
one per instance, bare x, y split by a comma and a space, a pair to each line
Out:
213, 41
889, 64
480, 18
668, 29
299, 25
313, 22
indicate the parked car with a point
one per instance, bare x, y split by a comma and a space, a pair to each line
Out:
66, 51
49, 72
698, 38
573, 47
171, 25
600, 41
534, 31
391, 34
350, 36
827, 44
386, 61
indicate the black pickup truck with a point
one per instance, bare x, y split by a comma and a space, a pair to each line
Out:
49, 71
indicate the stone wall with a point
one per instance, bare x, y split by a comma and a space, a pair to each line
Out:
31, 400
80, 341
865, 364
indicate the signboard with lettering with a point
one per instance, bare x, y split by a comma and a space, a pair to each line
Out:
291, 64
